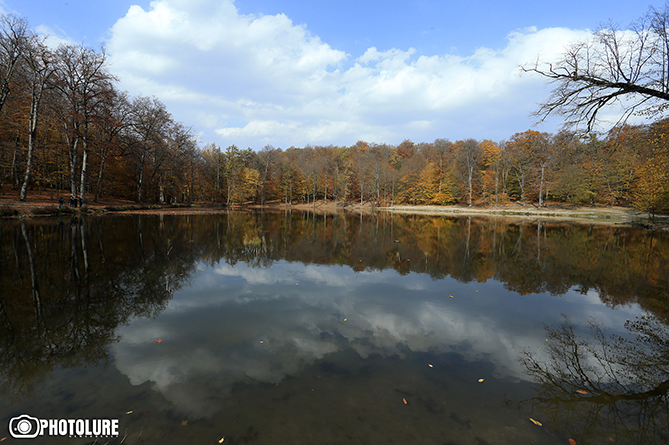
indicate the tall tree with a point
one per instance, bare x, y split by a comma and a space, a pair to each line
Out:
267, 158
146, 135
520, 148
114, 119
14, 40
38, 68
469, 155
86, 85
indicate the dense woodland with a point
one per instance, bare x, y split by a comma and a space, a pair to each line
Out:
65, 127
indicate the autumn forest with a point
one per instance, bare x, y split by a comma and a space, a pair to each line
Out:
67, 129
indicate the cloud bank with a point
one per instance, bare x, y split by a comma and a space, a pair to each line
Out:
254, 80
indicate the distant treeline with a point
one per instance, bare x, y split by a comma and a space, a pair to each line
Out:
65, 127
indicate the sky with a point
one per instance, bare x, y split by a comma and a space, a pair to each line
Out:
292, 73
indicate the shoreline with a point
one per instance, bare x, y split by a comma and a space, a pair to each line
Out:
41, 204
619, 216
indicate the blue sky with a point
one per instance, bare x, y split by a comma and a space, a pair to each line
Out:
285, 72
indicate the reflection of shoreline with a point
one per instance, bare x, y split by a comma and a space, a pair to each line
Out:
619, 216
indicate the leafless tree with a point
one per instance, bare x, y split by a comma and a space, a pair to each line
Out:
147, 134
38, 68
14, 38
628, 69
86, 86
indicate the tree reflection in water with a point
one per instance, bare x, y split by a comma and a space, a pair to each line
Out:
604, 387
66, 288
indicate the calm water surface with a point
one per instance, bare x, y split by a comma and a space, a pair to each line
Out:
294, 328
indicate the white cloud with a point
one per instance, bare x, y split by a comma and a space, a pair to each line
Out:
54, 38
267, 80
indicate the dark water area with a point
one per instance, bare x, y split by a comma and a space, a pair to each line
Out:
284, 328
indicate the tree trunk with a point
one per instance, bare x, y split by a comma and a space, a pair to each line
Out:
84, 163
541, 186
15, 175
74, 160
32, 135
470, 174
98, 188
31, 148
140, 180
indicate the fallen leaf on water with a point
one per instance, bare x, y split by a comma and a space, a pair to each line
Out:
221, 440
160, 340
481, 380
262, 341
129, 412
184, 423
537, 423
4, 438
450, 296
430, 365
580, 391
572, 442
405, 401
345, 319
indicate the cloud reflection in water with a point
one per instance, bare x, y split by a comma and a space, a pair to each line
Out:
242, 324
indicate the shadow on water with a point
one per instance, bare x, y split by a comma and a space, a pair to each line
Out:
265, 299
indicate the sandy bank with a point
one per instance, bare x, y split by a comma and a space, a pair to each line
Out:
41, 204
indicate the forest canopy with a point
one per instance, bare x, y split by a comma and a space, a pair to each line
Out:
65, 127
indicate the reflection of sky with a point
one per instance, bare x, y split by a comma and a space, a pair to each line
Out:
239, 323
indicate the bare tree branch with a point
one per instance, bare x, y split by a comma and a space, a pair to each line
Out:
628, 69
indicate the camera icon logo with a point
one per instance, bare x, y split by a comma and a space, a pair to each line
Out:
24, 427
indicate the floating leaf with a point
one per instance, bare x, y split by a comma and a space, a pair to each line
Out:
184, 423
129, 412
160, 340
481, 380
572, 442
345, 319
430, 365
536, 422
221, 440
580, 391
450, 296
262, 341
405, 401
4, 438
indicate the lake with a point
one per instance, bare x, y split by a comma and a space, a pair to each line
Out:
284, 328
